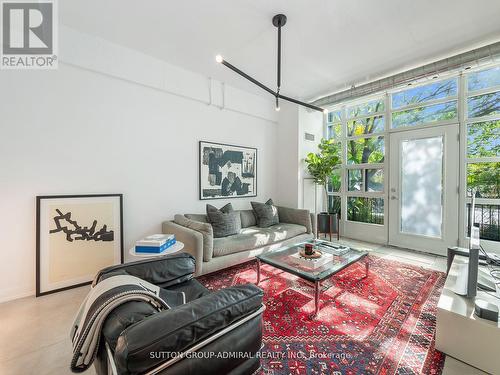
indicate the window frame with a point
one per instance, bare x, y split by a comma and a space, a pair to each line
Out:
466, 160
424, 82
487, 92
344, 192
462, 119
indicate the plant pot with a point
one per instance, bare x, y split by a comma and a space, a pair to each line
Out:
327, 223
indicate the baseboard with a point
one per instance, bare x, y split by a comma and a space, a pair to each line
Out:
374, 241
15, 293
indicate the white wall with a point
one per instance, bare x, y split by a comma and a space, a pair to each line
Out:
111, 120
288, 155
293, 123
309, 122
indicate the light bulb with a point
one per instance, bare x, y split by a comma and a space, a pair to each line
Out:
219, 59
325, 111
277, 109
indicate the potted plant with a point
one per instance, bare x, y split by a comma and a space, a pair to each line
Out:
320, 166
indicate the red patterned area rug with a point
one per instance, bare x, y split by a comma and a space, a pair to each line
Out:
382, 324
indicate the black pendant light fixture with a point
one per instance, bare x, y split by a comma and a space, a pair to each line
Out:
279, 21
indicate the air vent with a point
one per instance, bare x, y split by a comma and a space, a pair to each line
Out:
309, 137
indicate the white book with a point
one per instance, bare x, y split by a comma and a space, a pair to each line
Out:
155, 240
313, 262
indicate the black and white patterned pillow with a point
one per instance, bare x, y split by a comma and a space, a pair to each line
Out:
267, 213
225, 222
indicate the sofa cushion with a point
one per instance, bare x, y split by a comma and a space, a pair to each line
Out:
225, 222
197, 217
284, 231
248, 218
296, 216
255, 237
266, 213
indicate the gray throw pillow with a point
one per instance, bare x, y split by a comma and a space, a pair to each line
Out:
267, 213
225, 222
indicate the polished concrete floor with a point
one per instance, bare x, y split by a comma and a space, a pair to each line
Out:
34, 332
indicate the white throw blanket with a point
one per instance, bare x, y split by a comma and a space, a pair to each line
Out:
101, 300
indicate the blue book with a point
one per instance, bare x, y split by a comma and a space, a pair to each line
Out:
155, 249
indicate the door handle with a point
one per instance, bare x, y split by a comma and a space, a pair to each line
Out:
393, 197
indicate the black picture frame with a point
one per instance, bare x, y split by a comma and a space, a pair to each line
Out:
200, 166
39, 200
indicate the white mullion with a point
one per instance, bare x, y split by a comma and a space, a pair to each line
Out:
425, 125
485, 91
475, 120
363, 100
423, 82
365, 194
483, 159
462, 175
366, 166
362, 136
343, 174
484, 66
387, 172
363, 117
428, 103
485, 201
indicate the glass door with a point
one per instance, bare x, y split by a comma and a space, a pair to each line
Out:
423, 189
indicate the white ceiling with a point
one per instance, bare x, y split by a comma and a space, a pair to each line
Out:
328, 45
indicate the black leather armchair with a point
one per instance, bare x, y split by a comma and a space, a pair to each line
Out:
212, 333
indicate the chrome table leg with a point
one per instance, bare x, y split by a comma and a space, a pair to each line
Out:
258, 271
317, 291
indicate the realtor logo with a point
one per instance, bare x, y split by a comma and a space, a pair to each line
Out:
29, 35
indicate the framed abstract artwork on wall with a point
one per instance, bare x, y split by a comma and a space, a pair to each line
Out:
76, 236
227, 171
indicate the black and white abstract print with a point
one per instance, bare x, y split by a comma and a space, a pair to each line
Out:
75, 232
227, 171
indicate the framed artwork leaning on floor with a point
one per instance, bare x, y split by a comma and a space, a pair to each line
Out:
76, 236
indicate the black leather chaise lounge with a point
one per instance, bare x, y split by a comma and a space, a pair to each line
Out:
217, 332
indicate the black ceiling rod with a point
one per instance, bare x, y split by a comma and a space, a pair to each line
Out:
244, 75
279, 21
301, 103
277, 95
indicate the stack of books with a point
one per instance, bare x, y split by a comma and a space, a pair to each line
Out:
155, 244
333, 248
312, 263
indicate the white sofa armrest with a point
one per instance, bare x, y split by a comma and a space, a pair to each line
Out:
193, 241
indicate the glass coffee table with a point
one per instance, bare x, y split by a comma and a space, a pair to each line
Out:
286, 259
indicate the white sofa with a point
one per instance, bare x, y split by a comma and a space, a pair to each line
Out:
213, 254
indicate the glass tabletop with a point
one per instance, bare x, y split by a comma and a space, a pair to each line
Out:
288, 259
